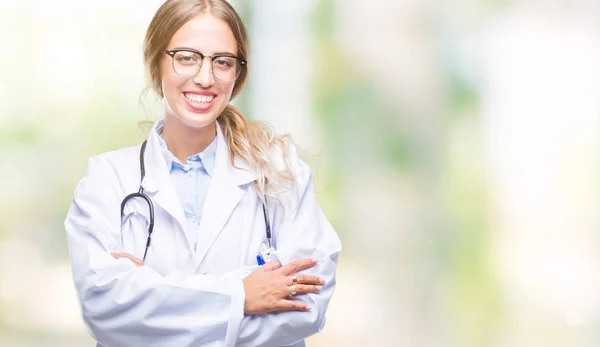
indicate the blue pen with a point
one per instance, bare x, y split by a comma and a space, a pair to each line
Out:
260, 260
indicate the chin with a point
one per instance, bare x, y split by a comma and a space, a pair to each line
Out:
193, 120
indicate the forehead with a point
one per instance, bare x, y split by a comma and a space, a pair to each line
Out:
206, 34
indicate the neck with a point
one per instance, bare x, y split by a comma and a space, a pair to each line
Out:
184, 141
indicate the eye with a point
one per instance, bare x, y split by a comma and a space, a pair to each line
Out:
186, 58
224, 62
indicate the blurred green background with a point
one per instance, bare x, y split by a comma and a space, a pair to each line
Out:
455, 145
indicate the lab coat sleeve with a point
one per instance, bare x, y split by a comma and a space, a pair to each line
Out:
302, 232
127, 306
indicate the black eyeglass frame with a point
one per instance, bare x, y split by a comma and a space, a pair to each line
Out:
242, 63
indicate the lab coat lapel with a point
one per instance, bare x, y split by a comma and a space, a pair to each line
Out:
223, 195
158, 184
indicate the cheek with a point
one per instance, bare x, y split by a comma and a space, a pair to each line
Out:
170, 81
228, 90
172, 85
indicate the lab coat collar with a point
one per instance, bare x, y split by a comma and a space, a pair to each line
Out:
224, 192
157, 170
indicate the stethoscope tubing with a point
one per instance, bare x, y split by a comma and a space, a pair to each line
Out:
140, 194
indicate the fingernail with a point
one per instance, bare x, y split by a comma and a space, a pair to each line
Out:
314, 260
307, 308
318, 287
322, 281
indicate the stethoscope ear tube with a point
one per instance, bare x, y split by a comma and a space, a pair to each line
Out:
141, 194
150, 212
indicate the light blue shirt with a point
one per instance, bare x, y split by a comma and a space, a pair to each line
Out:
191, 181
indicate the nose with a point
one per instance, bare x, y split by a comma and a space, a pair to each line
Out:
205, 76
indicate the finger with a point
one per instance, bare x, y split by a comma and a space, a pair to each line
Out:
271, 265
306, 279
304, 289
118, 255
290, 305
297, 265
134, 260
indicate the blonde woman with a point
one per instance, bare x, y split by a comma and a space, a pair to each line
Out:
208, 233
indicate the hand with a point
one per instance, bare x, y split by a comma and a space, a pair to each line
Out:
137, 261
267, 287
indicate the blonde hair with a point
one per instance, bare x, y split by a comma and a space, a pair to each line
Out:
250, 140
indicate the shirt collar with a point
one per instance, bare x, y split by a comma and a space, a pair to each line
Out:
205, 159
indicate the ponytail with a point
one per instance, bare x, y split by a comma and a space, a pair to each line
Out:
254, 142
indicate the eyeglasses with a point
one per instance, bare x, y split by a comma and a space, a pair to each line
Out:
187, 63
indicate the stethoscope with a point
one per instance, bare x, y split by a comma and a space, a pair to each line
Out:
265, 247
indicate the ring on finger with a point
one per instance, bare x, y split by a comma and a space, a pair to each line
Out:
292, 290
294, 280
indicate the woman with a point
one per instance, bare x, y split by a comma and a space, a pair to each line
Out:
220, 196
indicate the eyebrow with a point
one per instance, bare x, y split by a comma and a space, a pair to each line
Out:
196, 51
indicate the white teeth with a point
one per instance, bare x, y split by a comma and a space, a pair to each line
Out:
199, 98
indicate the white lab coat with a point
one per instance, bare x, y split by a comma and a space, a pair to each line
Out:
183, 297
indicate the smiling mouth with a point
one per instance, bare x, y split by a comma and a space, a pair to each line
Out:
199, 99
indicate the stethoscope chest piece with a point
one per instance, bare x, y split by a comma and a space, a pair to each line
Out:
264, 252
